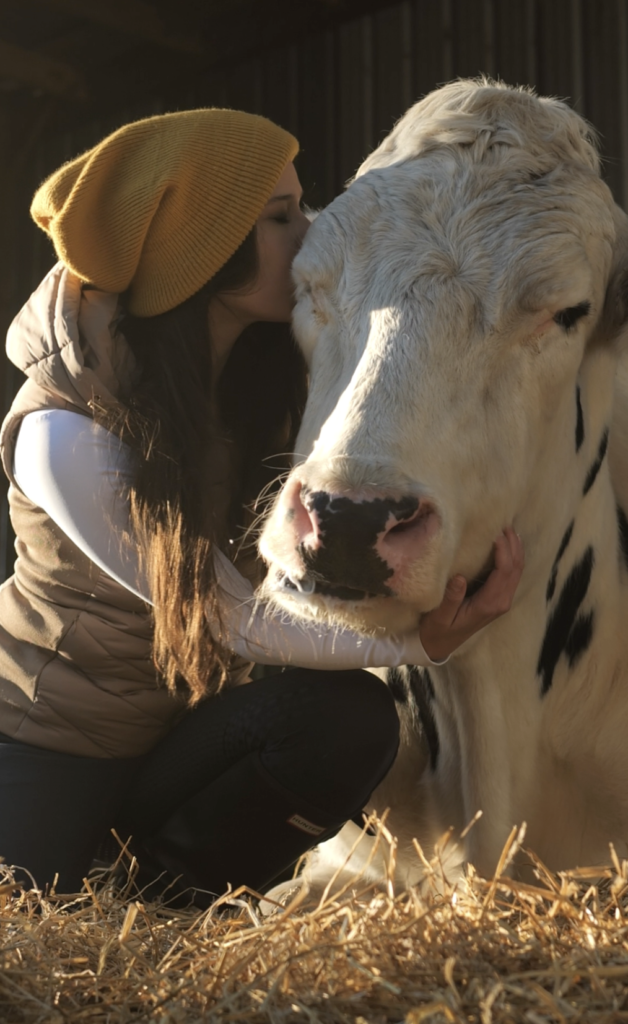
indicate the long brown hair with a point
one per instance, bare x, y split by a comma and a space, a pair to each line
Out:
171, 425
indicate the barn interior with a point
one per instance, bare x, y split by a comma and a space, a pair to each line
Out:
337, 73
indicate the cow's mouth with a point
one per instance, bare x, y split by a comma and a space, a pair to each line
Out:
308, 585
311, 584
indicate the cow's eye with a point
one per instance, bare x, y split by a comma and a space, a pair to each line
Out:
567, 318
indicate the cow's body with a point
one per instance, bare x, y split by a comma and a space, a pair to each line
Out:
461, 306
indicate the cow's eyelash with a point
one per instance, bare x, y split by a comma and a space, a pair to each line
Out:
567, 318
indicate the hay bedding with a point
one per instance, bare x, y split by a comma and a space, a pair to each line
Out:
552, 951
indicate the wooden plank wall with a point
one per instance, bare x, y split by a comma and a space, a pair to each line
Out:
341, 92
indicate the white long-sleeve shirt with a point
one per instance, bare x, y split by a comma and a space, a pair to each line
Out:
79, 473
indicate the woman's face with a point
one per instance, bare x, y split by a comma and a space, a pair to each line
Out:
280, 231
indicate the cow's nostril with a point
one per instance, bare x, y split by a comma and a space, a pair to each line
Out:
404, 526
299, 585
301, 519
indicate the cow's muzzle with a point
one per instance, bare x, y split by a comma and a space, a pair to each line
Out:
352, 547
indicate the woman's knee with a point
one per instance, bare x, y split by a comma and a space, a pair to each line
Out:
356, 712
342, 742
368, 707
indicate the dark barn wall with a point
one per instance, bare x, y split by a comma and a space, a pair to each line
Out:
340, 93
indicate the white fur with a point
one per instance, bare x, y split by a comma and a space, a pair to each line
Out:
426, 297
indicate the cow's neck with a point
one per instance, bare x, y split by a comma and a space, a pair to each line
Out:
520, 698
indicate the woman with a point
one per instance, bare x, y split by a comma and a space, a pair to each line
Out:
162, 378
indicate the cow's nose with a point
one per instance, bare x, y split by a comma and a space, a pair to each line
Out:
351, 546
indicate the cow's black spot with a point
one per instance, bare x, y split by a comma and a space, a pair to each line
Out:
398, 685
429, 685
595, 468
579, 421
622, 522
563, 619
422, 689
551, 583
579, 638
346, 565
562, 547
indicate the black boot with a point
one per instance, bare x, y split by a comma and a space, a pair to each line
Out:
242, 829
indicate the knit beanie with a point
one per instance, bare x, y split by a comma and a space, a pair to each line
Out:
159, 206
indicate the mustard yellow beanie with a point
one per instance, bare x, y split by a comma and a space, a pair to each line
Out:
159, 206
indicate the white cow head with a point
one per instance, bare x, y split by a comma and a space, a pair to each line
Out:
446, 303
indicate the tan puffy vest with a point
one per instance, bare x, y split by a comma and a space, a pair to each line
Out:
75, 667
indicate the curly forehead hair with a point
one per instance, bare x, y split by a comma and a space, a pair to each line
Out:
474, 116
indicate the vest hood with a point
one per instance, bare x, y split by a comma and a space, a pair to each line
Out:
64, 340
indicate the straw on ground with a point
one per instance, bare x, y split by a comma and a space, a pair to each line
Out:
551, 950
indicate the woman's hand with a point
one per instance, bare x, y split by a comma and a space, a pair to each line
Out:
459, 617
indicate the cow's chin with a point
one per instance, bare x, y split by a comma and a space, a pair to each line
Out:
368, 615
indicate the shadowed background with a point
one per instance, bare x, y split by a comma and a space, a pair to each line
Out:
336, 73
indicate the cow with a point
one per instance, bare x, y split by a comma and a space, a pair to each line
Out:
461, 307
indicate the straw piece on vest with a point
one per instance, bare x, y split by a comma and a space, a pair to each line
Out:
159, 206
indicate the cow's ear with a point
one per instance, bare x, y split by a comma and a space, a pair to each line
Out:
616, 301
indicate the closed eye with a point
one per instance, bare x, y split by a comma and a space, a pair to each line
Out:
285, 216
567, 318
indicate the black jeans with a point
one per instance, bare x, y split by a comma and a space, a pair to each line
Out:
244, 784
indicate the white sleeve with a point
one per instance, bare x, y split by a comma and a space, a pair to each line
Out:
79, 473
